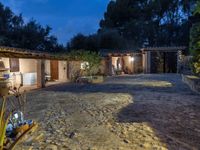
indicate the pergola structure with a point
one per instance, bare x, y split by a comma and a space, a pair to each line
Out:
149, 51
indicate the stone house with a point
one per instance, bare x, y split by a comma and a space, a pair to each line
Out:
119, 62
32, 68
36, 68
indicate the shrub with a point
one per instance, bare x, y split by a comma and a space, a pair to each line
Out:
195, 40
196, 65
93, 60
3, 123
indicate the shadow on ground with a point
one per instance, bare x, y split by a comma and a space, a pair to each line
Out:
166, 104
177, 127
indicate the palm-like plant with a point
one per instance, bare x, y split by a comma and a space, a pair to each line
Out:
3, 123
5, 113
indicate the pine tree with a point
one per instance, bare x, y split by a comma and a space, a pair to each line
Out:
195, 32
195, 38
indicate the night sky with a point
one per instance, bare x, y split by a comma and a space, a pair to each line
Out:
66, 17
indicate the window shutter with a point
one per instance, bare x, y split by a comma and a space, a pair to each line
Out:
14, 65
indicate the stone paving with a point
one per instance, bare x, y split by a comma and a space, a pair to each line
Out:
141, 112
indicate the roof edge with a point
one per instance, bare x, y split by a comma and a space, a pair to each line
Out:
173, 48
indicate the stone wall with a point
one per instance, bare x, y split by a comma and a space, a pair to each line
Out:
129, 64
184, 65
193, 82
74, 69
104, 70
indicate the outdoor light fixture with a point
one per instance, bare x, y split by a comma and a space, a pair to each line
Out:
132, 59
17, 118
84, 65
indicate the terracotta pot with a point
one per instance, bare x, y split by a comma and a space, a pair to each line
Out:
22, 128
4, 87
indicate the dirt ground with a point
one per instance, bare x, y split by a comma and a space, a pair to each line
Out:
141, 112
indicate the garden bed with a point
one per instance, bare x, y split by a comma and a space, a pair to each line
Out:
91, 79
192, 81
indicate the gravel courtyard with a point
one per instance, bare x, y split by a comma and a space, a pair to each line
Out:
141, 112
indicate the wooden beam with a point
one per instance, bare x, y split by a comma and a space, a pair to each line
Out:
110, 66
24, 53
164, 62
41, 73
164, 49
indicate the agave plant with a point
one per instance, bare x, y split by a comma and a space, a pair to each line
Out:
20, 99
197, 65
3, 123
5, 114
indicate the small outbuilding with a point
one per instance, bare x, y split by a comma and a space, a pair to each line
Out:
119, 62
162, 59
32, 68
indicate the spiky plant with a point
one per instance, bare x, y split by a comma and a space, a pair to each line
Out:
3, 123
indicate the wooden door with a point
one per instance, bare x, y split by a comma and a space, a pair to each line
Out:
54, 70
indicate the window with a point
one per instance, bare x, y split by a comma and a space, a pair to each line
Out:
14, 65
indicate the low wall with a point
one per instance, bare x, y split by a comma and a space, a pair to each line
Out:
193, 82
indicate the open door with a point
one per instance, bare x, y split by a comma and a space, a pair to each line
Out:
54, 70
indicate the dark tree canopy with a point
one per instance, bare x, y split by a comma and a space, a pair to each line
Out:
138, 23
160, 22
15, 33
195, 39
109, 39
81, 41
195, 32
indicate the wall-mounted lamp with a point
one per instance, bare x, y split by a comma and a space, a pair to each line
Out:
132, 59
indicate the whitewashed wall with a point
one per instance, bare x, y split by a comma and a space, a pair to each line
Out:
62, 70
27, 73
